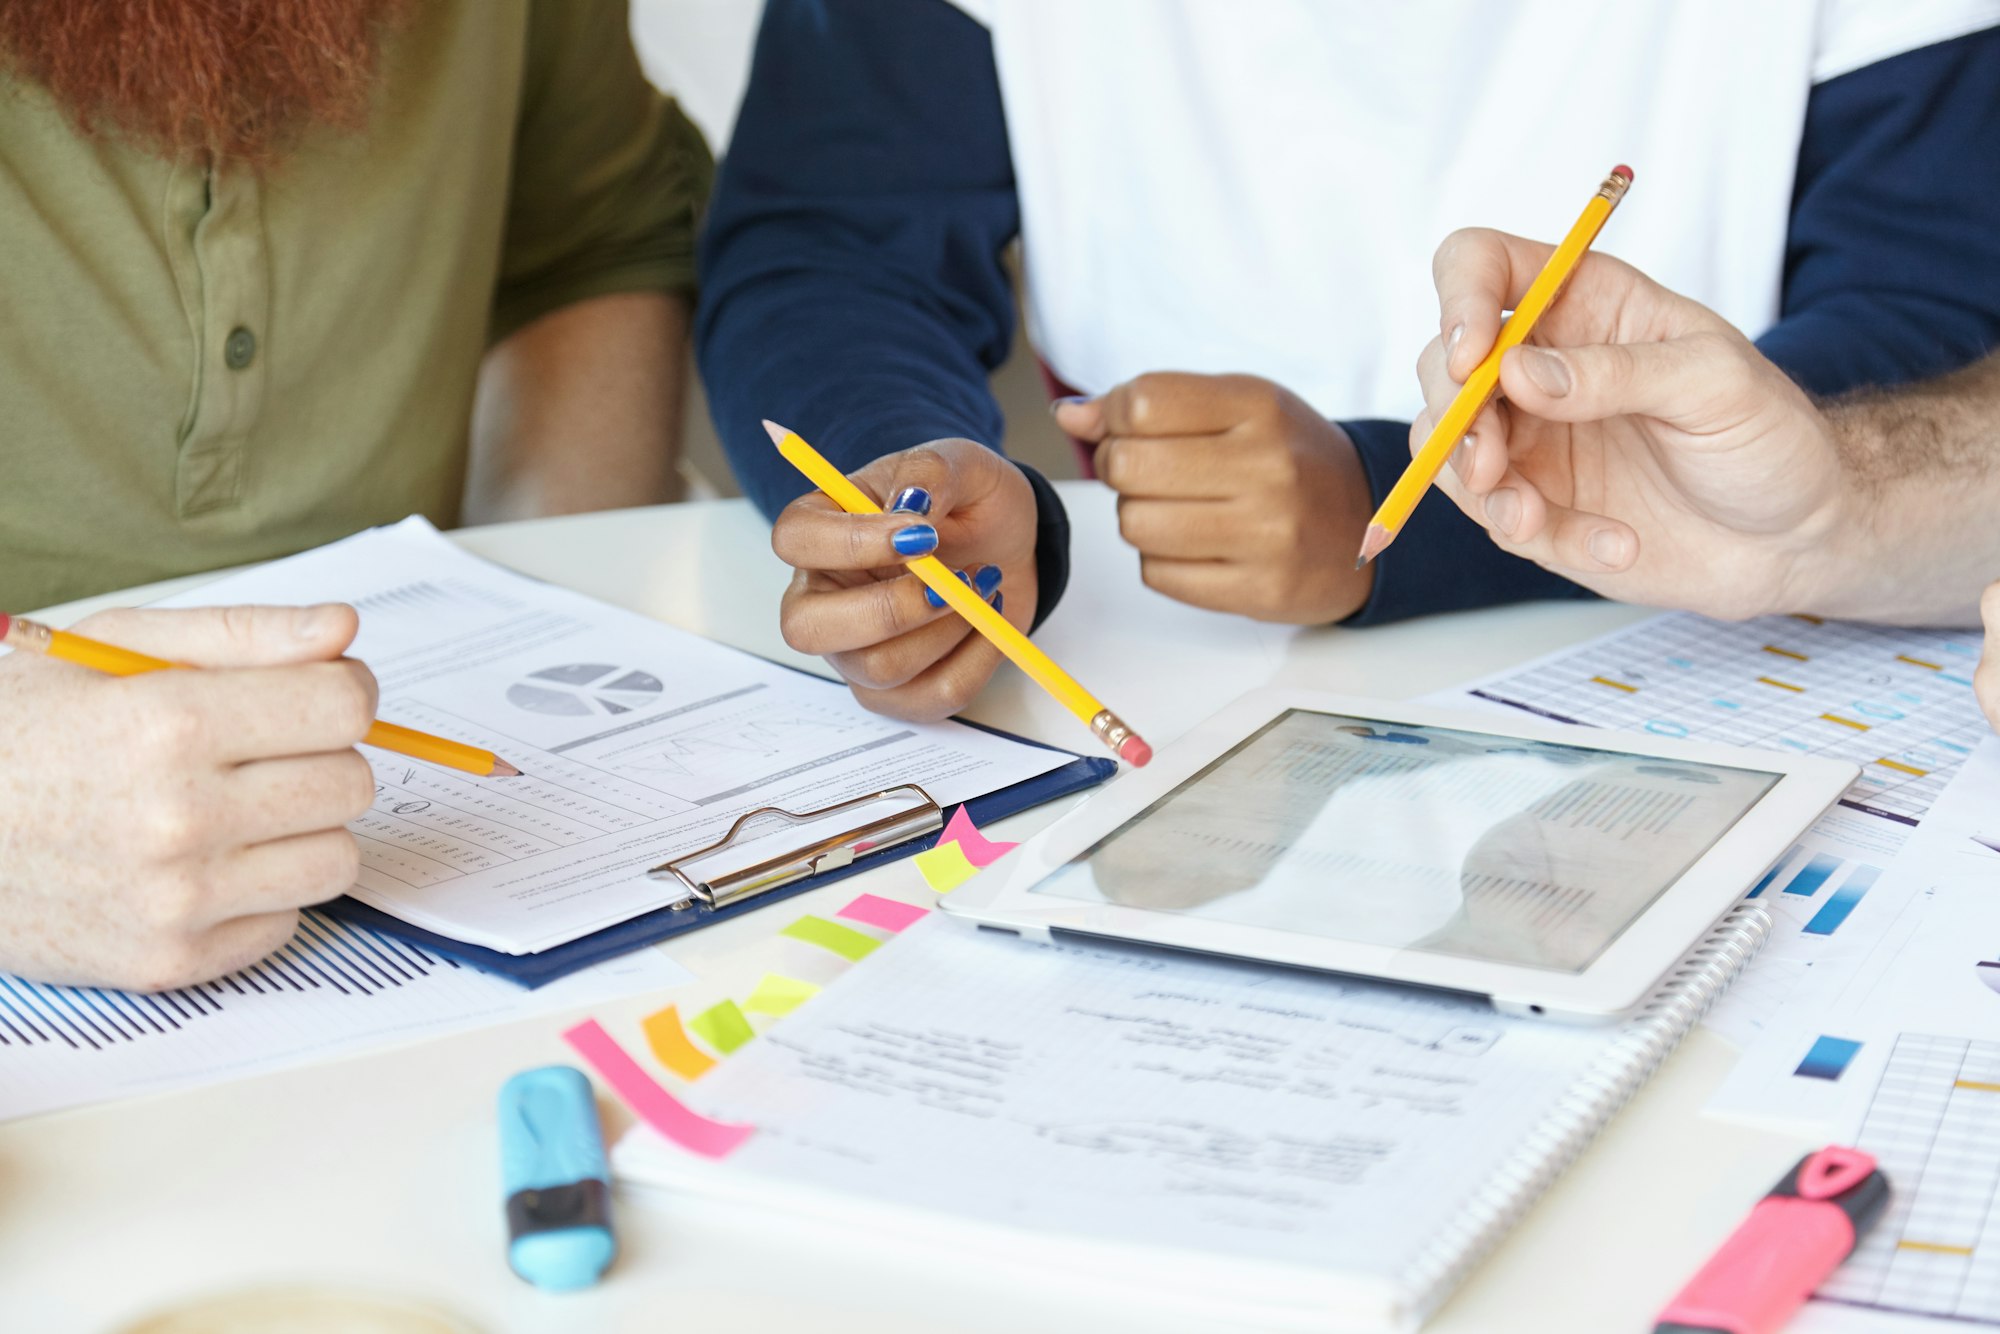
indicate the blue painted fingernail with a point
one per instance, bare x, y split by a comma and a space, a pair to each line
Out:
999, 602
930, 596
919, 539
986, 580
1072, 401
911, 500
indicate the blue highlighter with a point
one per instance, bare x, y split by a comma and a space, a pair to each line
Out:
558, 1183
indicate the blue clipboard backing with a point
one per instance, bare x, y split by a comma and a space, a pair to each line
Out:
534, 970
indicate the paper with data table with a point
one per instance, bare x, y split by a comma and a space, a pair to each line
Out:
638, 742
334, 989
1272, 1135
1898, 702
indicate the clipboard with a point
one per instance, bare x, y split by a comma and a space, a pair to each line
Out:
843, 857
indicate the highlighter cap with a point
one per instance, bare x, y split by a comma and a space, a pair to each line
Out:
557, 1181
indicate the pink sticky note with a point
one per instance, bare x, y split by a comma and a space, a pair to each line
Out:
873, 910
980, 850
643, 1094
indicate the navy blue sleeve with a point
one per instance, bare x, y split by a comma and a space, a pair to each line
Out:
1892, 264
1892, 274
851, 274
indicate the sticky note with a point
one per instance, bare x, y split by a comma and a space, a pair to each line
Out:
945, 867
873, 910
642, 1093
670, 1045
842, 940
778, 995
722, 1026
980, 850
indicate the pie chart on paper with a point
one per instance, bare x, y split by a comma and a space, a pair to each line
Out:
585, 690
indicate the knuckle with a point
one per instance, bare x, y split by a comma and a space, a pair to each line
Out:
171, 730
168, 828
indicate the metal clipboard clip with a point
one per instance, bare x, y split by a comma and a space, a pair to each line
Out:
717, 879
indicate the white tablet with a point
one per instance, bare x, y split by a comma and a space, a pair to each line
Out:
1553, 869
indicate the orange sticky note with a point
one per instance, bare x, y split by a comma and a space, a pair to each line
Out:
642, 1093
670, 1045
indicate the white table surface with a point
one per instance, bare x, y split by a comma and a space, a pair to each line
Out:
380, 1171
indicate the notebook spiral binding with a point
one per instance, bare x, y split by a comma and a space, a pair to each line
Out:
1667, 1018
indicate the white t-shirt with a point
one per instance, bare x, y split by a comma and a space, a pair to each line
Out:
1259, 185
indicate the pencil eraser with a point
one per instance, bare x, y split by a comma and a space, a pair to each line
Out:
5, 621
1135, 752
1622, 170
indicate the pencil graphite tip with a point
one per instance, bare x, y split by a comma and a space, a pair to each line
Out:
775, 431
1374, 544
502, 769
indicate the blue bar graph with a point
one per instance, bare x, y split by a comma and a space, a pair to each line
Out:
1770, 875
1829, 1058
1835, 910
1814, 875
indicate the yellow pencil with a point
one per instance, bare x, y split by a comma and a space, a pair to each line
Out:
1479, 386
35, 637
1110, 729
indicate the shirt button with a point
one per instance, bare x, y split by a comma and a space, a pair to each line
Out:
240, 348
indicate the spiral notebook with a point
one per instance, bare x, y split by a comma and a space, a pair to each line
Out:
1288, 1148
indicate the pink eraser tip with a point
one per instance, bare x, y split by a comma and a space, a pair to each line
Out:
1622, 170
1136, 752
5, 621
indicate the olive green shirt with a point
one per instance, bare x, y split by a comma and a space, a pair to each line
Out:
201, 367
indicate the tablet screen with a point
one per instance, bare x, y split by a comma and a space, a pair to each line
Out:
1425, 838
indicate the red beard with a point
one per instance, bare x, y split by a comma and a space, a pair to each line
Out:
235, 79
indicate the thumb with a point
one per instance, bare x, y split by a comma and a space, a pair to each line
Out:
1690, 381
1083, 418
230, 636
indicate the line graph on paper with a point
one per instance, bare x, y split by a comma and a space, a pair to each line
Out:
1934, 1126
1896, 702
333, 987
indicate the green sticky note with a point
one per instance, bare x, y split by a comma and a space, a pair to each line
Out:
722, 1026
945, 867
842, 940
778, 995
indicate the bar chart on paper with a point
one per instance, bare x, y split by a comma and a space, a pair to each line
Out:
1897, 702
1934, 1126
333, 988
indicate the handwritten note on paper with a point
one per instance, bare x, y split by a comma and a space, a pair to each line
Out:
1155, 1099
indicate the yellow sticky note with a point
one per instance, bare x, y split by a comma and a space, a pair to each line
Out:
945, 867
778, 995
671, 1047
842, 940
722, 1026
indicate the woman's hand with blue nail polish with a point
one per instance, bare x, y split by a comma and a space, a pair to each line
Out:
854, 602
1238, 496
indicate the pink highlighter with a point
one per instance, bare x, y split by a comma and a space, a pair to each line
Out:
1795, 1237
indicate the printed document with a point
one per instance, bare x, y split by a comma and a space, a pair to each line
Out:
637, 742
